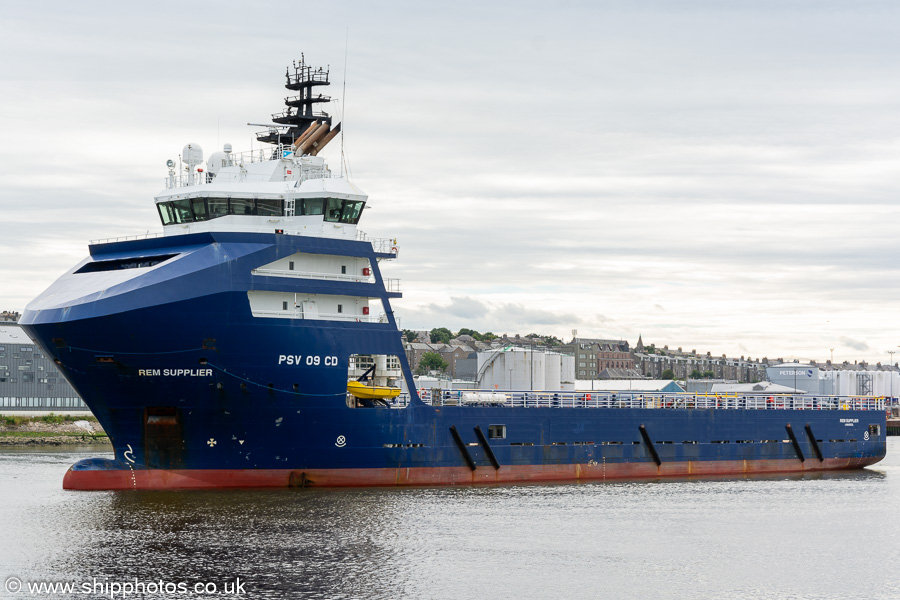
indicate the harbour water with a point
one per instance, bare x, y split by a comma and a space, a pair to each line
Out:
814, 536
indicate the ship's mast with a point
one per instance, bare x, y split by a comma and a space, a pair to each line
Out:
300, 112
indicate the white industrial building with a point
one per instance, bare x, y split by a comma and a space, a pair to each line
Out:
525, 369
846, 380
629, 385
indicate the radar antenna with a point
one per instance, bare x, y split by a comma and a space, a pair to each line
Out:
300, 117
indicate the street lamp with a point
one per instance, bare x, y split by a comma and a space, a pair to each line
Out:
891, 371
832, 371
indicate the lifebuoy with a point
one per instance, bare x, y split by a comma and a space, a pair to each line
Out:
393, 249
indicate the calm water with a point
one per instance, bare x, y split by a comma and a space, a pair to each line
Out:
825, 536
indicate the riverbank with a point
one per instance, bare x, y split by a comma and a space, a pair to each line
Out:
51, 430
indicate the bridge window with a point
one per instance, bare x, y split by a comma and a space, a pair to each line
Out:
313, 206
198, 205
270, 207
333, 210
177, 211
218, 207
181, 209
202, 209
242, 206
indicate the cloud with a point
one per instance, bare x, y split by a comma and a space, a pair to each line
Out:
748, 188
484, 316
858, 345
531, 316
467, 308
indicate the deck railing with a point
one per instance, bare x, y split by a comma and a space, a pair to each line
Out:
126, 238
644, 400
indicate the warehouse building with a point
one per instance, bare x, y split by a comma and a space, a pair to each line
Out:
29, 380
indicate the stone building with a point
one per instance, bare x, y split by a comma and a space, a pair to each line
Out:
460, 358
602, 359
652, 362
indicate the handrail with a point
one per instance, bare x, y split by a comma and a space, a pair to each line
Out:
125, 238
662, 400
311, 275
349, 317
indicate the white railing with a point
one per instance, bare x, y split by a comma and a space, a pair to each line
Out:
280, 314
658, 400
390, 284
383, 245
311, 275
200, 179
238, 159
125, 238
261, 154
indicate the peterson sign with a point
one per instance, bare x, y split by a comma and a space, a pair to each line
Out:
793, 372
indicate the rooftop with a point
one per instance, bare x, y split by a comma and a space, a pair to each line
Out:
13, 334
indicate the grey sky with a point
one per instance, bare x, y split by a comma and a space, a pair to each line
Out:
712, 175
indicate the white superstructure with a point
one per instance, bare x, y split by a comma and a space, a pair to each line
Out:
264, 191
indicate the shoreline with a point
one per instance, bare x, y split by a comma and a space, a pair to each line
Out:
52, 440
51, 430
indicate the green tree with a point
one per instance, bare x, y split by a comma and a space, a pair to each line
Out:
431, 361
410, 335
695, 374
440, 335
467, 331
668, 374
488, 336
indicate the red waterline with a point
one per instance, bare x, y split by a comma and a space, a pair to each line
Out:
185, 479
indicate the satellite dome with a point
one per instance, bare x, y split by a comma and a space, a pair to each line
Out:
192, 155
217, 160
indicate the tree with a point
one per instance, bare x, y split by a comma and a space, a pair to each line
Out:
471, 332
481, 337
431, 361
410, 335
440, 335
668, 374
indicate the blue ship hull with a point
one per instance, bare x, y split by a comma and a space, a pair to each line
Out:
194, 390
